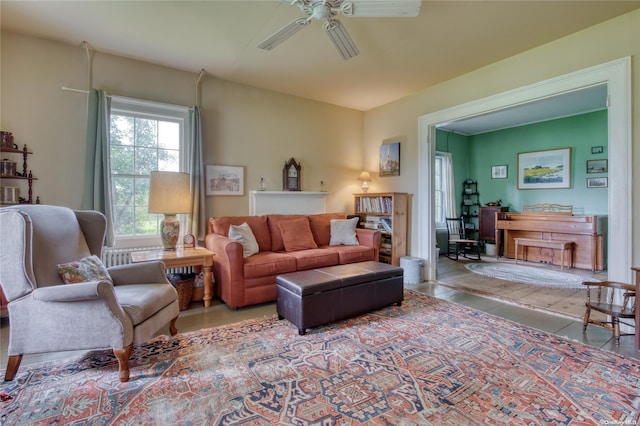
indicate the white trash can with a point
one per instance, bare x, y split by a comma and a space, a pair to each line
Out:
412, 269
490, 249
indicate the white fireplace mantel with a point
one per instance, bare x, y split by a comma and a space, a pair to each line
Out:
286, 202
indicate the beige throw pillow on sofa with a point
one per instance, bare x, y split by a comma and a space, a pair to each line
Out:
244, 235
343, 232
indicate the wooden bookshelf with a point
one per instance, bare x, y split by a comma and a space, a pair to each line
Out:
387, 212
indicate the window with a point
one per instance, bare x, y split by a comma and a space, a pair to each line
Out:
445, 197
144, 136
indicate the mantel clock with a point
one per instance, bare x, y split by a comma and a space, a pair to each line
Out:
291, 176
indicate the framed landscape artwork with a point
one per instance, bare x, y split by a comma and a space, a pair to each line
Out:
390, 159
550, 169
225, 180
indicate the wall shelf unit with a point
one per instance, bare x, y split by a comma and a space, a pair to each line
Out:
470, 208
386, 212
25, 175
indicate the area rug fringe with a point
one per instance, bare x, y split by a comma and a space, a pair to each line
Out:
425, 362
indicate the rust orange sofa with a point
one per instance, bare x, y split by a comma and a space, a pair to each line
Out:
243, 281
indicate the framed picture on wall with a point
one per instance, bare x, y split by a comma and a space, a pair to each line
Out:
599, 182
597, 149
225, 180
390, 159
550, 169
499, 172
596, 166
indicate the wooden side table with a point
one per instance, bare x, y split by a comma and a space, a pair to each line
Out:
183, 257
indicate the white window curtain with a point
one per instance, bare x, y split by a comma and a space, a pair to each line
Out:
448, 186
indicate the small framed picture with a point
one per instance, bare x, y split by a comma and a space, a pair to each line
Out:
499, 172
597, 149
596, 166
225, 180
599, 182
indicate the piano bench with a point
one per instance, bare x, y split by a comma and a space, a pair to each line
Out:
563, 246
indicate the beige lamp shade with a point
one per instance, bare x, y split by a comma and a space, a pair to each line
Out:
169, 193
364, 176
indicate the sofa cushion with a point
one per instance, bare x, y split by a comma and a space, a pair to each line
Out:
352, 254
321, 226
276, 234
296, 234
258, 225
244, 235
343, 232
268, 263
314, 258
142, 301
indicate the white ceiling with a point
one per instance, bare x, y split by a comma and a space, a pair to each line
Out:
565, 105
398, 56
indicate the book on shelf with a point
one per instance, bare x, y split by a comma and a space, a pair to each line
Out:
375, 204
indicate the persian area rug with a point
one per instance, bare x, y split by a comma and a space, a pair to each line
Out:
427, 362
528, 275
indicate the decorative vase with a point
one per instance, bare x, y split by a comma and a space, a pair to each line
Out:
169, 231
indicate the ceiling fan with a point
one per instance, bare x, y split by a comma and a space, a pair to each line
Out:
327, 10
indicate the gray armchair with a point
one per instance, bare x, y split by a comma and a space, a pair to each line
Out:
47, 315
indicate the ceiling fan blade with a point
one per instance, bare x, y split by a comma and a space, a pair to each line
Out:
340, 39
381, 8
283, 33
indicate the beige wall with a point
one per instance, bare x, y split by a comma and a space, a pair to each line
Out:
611, 40
242, 125
259, 129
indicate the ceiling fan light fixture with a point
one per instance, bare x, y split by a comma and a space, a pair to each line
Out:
283, 33
321, 11
327, 10
340, 39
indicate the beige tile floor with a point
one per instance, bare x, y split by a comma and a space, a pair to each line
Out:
449, 272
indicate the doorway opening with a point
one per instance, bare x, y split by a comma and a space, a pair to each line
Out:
616, 75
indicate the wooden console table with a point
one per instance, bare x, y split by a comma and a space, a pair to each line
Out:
183, 257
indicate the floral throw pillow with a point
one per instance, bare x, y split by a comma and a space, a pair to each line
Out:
86, 269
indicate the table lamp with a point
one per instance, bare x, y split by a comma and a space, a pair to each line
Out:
364, 177
169, 194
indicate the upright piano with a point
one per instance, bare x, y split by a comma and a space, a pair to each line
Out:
582, 230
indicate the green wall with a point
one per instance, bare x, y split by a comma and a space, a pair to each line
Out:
473, 157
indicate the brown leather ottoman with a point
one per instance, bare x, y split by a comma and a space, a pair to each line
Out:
324, 295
